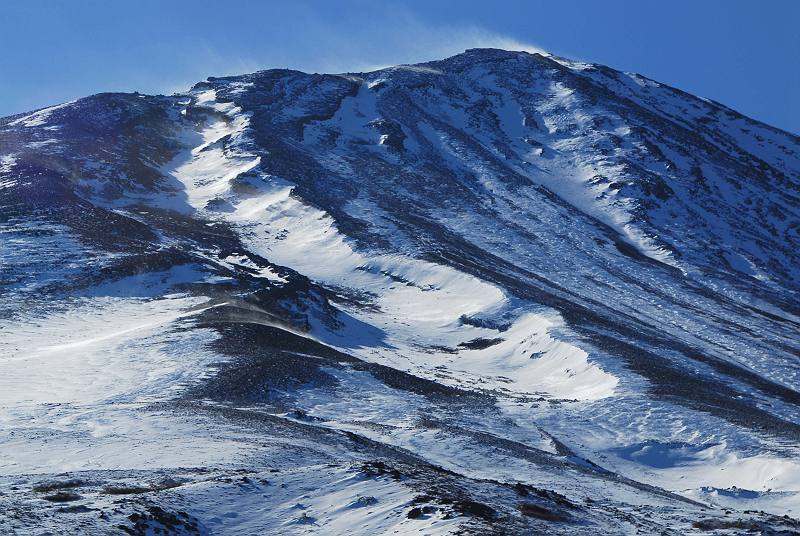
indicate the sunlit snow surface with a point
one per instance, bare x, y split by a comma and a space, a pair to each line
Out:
368, 303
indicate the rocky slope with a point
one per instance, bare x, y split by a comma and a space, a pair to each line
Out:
497, 293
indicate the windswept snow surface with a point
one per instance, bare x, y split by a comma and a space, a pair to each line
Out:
498, 293
421, 304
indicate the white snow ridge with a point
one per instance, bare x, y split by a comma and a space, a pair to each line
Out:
499, 293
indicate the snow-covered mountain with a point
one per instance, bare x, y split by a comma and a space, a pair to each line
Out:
500, 293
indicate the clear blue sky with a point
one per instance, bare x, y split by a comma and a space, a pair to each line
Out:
745, 54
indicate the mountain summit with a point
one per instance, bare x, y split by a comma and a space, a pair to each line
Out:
497, 293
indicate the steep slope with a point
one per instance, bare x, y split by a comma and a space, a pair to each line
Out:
499, 292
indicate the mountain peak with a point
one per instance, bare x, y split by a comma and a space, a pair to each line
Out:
476, 56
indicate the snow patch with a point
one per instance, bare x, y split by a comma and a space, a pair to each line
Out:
39, 117
7, 163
